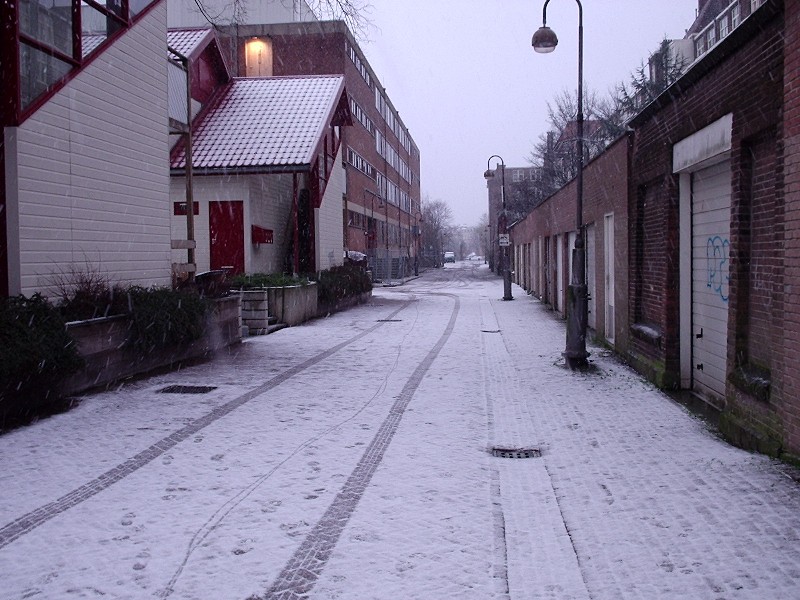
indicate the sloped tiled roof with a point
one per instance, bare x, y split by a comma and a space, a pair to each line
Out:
186, 41
264, 122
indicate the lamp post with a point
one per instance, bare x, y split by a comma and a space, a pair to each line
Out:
417, 234
545, 41
502, 226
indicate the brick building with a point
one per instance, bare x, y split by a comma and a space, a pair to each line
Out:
543, 241
707, 258
710, 243
380, 208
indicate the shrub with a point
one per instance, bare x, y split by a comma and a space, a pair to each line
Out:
340, 282
36, 353
85, 293
265, 280
162, 317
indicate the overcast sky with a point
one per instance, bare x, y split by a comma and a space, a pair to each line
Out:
468, 85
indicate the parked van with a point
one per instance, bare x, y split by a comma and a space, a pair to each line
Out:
449, 257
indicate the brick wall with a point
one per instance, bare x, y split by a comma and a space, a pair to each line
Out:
790, 375
743, 75
605, 184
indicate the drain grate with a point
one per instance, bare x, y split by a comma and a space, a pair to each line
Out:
516, 452
389, 320
490, 331
187, 389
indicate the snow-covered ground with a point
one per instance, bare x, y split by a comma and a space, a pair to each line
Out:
350, 458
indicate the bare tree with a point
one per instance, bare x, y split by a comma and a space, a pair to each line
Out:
234, 12
436, 229
555, 151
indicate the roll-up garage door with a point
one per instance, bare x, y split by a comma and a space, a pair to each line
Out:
711, 216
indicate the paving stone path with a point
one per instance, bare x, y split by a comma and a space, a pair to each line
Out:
33, 519
303, 569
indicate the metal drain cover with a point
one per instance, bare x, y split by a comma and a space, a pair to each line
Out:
389, 320
490, 331
516, 452
187, 389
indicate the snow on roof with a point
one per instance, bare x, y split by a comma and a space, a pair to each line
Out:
186, 41
264, 122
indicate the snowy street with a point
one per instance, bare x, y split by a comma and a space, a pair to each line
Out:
350, 458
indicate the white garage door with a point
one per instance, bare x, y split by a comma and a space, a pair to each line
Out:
711, 216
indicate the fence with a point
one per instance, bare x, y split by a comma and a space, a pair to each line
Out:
391, 266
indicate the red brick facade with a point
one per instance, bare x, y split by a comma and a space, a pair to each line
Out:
789, 386
747, 85
605, 193
742, 76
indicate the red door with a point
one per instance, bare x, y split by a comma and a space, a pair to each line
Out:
226, 228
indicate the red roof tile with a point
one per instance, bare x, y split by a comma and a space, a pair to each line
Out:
264, 122
186, 41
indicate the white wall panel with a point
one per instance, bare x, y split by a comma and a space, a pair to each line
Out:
330, 219
92, 169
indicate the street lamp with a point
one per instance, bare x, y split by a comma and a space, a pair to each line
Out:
502, 226
417, 234
545, 41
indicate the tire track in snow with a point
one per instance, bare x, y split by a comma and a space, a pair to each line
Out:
33, 519
305, 566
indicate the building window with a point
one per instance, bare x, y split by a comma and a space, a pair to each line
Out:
736, 17
360, 66
724, 26
357, 161
711, 36
362, 117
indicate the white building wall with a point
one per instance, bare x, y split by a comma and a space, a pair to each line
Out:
185, 13
271, 208
87, 175
205, 190
330, 219
267, 203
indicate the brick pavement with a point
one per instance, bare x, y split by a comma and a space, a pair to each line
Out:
303, 569
29, 521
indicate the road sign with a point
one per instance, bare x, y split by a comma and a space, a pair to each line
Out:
504, 239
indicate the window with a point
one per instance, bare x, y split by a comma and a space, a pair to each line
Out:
362, 117
735, 16
359, 163
359, 65
724, 26
711, 36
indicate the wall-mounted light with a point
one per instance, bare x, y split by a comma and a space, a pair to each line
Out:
258, 57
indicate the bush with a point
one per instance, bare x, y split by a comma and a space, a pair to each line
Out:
36, 353
265, 280
85, 293
340, 282
162, 317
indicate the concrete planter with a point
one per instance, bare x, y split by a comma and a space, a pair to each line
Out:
255, 311
103, 345
292, 305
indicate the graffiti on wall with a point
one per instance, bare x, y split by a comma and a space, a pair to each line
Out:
717, 253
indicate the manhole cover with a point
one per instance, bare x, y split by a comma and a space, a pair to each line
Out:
389, 320
187, 389
516, 452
